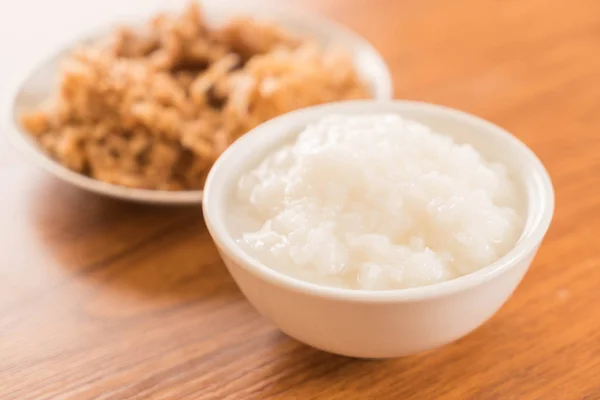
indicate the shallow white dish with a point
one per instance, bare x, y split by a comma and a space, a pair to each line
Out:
40, 81
381, 324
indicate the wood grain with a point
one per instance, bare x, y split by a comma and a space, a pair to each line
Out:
107, 300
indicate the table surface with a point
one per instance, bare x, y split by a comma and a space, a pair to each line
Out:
109, 300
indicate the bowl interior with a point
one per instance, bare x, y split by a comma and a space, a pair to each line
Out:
41, 81
491, 141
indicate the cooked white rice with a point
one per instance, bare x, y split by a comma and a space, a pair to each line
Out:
376, 202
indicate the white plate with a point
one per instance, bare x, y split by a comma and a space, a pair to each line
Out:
39, 82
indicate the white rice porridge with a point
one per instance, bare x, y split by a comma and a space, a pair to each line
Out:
375, 202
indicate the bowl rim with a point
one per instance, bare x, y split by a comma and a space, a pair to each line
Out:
531, 238
17, 136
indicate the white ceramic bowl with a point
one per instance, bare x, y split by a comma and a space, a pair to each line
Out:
381, 324
39, 82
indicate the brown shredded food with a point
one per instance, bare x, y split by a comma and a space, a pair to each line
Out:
154, 108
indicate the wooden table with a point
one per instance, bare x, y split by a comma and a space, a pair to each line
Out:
101, 299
